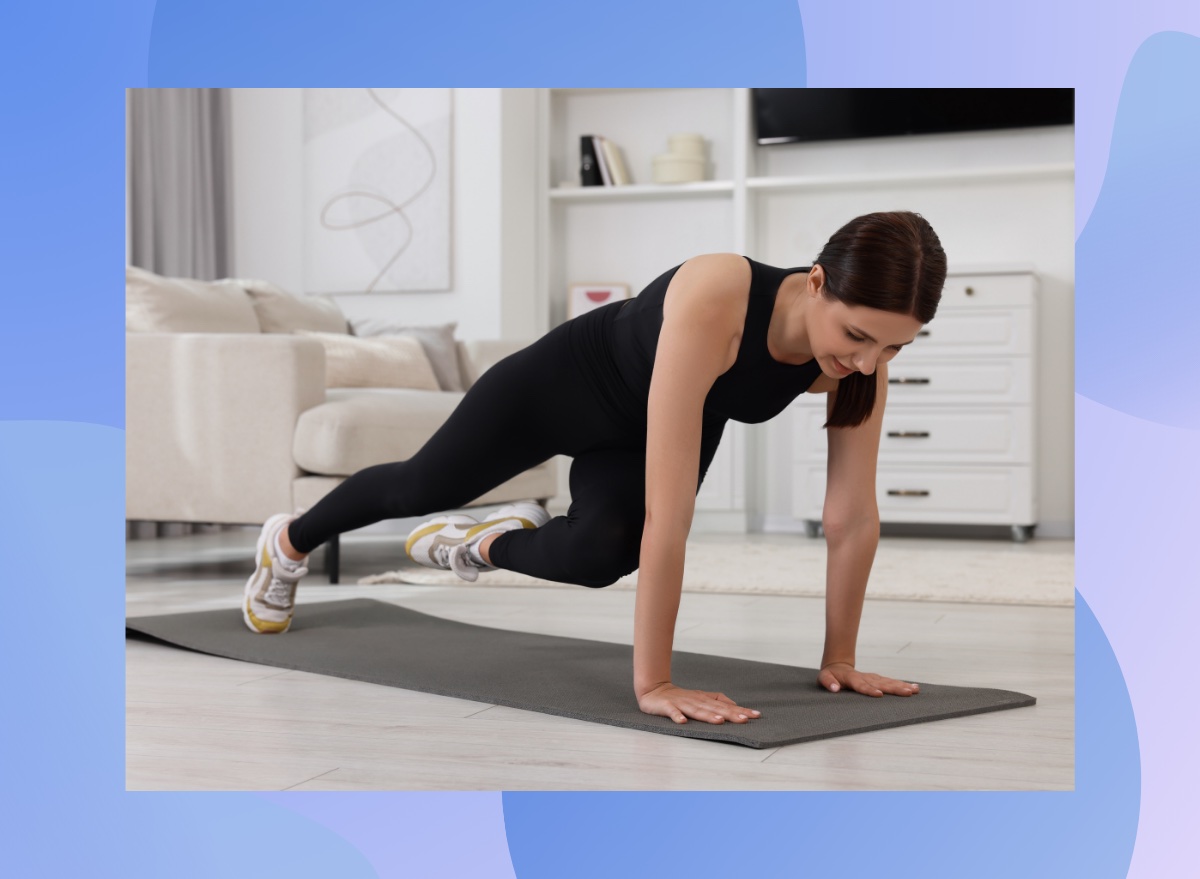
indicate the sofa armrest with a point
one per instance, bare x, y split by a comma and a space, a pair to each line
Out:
210, 419
479, 355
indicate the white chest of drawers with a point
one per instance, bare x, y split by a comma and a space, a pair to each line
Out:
958, 444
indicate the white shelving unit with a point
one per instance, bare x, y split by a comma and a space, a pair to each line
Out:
753, 197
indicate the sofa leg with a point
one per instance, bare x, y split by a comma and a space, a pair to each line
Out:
333, 557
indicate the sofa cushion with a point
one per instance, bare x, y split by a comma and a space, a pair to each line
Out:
438, 341
360, 427
280, 312
157, 304
398, 362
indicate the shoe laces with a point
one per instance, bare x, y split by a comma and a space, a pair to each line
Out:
461, 563
282, 589
442, 554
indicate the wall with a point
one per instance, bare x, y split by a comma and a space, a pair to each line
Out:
492, 274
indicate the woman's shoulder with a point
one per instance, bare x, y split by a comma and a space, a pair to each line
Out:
713, 280
721, 266
707, 298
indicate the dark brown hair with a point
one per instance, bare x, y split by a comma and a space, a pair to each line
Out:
892, 261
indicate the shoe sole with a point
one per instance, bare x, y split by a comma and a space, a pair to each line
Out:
263, 561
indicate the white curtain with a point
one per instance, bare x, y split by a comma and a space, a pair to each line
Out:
180, 204
180, 182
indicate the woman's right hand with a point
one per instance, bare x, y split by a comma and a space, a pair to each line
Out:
668, 700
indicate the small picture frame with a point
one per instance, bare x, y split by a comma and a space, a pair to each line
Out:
583, 298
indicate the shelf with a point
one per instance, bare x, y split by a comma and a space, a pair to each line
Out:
651, 191
828, 181
641, 191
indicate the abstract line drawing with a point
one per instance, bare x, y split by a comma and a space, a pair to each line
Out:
377, 190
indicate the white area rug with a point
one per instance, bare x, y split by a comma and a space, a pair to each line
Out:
972, 571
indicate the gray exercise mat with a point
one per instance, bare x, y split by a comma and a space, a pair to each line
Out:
367, 640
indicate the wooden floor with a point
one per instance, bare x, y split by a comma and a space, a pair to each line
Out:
200, 722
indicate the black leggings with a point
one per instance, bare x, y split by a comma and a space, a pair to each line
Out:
532, 405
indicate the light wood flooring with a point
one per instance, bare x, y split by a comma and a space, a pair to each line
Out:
198, 722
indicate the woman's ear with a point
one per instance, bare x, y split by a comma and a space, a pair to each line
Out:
816, 280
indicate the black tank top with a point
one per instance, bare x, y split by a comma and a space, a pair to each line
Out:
615, 345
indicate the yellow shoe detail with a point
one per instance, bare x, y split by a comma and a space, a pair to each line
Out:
417, 535
471, 532
266, 627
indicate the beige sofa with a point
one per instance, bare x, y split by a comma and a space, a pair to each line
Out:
229, 419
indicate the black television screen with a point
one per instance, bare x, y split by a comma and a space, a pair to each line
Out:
791, 115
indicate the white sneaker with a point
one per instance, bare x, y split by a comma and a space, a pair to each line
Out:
270, 593
467, 561
429, 544
450, 543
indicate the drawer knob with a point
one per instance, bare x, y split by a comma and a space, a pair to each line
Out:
909, 434
908, 381
907, 492
922, 332
970, 291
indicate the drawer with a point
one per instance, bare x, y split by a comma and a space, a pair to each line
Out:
914, 435
983, 290
957, 332
977, 382
942, 495
959, 381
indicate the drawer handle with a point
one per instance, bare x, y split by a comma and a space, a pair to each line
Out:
907, 492
909, 434
922, 332
908, 381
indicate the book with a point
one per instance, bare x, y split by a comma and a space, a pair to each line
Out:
598, 146
589, 167
616, 163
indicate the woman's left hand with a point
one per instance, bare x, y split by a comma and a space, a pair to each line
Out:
837, 675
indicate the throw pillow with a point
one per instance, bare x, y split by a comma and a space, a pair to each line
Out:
438, 341
374, 363
280, 312
158, 304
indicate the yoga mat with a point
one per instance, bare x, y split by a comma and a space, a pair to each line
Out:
367, 640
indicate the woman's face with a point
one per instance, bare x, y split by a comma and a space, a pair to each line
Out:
853, 338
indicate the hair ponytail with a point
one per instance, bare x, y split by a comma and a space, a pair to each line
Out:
854, 401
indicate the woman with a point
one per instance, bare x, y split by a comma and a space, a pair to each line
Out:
638, 393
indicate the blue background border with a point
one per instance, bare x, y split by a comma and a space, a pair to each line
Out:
62, 417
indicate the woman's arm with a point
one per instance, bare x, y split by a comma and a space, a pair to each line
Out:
698, 341
851, 522
693, 345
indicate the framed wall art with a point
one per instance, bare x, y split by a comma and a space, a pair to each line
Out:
583, 298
